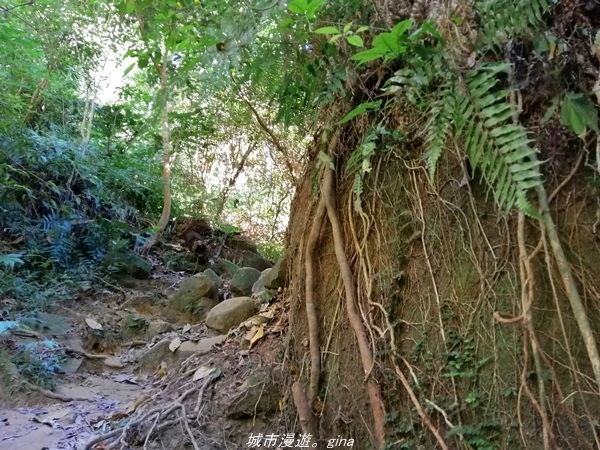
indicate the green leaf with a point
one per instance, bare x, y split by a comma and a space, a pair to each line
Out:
327, 30
335, 38
355, 40
401, 27
130, 6
360, 109
362, 29
285, 23
387, 45
298, 6
11, 260
368, 55
347, 27
578, 113
129, 69
312, 7
551, 110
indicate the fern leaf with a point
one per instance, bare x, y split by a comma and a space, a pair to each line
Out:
438, 128
11, 260
500, 148
504, 19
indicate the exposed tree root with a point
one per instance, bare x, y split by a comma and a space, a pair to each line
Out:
54, 395
419, 408
366, 354
311, 313
159, 417
304, 410
569, 284
527, 294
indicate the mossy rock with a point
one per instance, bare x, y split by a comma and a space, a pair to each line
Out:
241, 243
226, 268
256, 261
230, 313
277, 276
186, 262
243, 280
217, 280
122, 262
195, 297
133, 326
259, 286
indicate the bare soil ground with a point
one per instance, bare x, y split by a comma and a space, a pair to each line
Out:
104, 398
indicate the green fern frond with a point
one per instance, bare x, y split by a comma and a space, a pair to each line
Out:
504, 19
439, 127
500, 148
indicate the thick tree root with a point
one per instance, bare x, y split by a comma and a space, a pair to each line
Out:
311, 313
304, 410
366, 354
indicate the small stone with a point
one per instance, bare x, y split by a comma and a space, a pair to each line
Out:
160, 352
257, 395
158, 327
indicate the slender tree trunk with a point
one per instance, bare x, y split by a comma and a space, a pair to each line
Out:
88, 116
232, 180
35, 100
166, 153
274, 139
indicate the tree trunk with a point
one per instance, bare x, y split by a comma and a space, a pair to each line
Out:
166, 150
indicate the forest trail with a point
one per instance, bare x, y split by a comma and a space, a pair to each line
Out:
122, 371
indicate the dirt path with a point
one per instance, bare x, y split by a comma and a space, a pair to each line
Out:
60, 426
115, 381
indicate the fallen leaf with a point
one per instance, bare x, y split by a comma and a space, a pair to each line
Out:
124, 378
256, 321
135, 405
279, 326
42, 420
162, 371
186, 328
114, 362
59, 414
250, 334
93, 324
268, 314
175, 343
202, 372
260, 333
